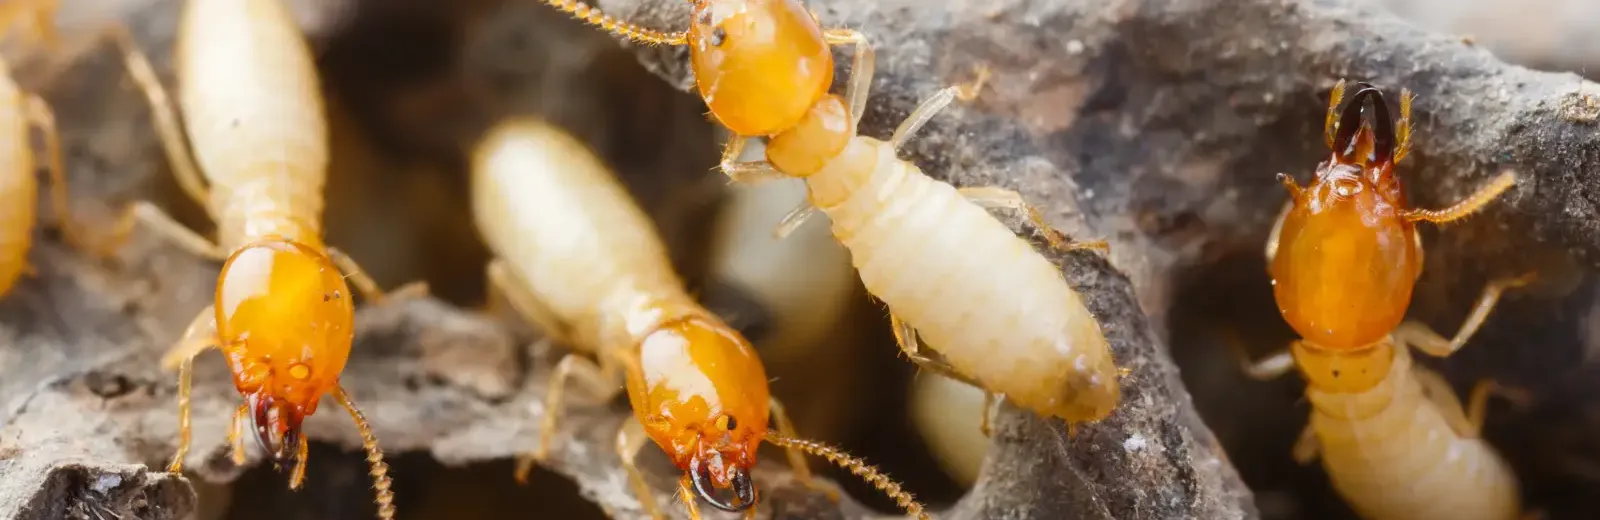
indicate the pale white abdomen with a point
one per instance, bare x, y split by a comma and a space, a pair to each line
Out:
18, 186
1392, 455
253, 108
553, 211
982, 297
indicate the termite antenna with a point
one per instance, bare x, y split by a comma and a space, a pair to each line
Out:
592, 14
369, 442
857, 466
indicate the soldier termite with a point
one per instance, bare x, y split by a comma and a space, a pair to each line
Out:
1344, 256
283, 314
578, 259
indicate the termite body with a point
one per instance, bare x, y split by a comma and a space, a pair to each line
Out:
1344, 257
21, 112
998, 313
283, 314
577, 257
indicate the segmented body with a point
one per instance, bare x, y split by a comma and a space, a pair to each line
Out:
569, 230
254, 113
981, 296
18, 187
257, 156
1344, 257
602, 271
580, 259
1392, 454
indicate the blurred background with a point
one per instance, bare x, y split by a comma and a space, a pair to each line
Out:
411, 83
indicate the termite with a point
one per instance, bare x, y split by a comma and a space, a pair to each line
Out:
998, 312
947, 414
283, 314
21, 111
1344, 256
577, 258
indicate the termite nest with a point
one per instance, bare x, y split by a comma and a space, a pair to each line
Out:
1121, 134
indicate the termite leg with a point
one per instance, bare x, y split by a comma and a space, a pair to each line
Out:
923, 113
163, 224
369, 287
630, 439
861, 70
906, 336
1422, 338
1467, 206
1478, 400
42, 118
796, 217
509, 285
1001, 198
199, 336
600, 382
797, 457
985, 425
1438, 392
162, 111
1416, 241
1277, 229
1306, 447
235, 437
745, 172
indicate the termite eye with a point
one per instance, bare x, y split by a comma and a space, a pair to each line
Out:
299, 371
718, 35
727, 423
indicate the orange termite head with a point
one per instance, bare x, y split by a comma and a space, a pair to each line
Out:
759, 64
1347, 258
705, 403
285, 322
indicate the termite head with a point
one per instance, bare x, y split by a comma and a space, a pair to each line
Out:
1347, 258
759, 64
285, 322
706, 405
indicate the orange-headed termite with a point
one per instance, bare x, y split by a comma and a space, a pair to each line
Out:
21, 111
1344, 256
997, 312
283, 314
577, 258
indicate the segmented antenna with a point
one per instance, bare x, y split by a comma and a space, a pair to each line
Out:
1466, 206
369, 442
592, 14
857, 466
